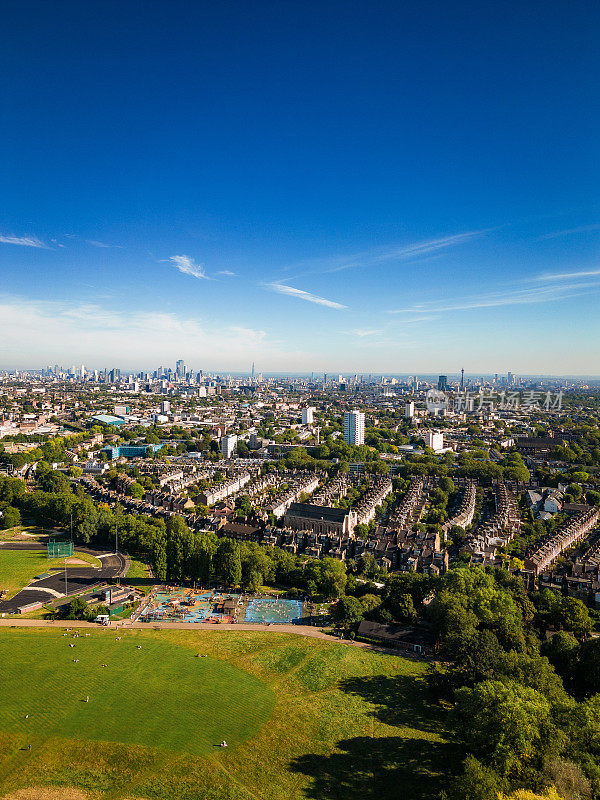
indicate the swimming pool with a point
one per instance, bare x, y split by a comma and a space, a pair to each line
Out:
272, 611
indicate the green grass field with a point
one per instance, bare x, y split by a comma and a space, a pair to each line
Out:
19, 567
302, 717
137, 569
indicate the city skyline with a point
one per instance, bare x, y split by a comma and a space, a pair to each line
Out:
170, 374
362, 189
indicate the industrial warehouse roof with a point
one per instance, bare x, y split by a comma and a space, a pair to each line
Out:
317, 512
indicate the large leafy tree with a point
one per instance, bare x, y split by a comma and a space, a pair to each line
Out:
506, 725
228, 562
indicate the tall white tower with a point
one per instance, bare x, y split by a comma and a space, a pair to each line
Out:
308, 415
354, 427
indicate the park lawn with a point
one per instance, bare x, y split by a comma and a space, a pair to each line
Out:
302, 717
19, 567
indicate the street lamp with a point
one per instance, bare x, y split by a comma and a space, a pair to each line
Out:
117, 548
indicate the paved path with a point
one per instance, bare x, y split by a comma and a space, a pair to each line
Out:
298, 630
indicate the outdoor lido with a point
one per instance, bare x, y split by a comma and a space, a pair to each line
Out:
171, 604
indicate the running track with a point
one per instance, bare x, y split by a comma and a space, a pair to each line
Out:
79, 578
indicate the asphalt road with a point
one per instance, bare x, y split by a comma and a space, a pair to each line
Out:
79, 578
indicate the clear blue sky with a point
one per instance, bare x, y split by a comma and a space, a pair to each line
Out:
342, 186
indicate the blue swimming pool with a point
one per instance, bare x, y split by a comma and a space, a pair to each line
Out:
272, 611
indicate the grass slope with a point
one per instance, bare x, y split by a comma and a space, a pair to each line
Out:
303, 717
137, 570
19, 567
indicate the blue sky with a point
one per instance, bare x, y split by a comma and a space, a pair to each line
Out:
340, 186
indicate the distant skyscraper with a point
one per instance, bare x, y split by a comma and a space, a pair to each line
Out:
354, 427
442, 383
462, 379
180, 368
253, 370
409, 410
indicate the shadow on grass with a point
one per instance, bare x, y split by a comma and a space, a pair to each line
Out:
141, 582
387, 766
400, 700
390, 767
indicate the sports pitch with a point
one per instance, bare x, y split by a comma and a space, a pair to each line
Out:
160, 695
302, 717
19, 567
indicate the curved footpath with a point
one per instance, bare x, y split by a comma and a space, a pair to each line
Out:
298, 630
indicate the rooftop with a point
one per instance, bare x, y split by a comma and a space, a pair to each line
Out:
317, 512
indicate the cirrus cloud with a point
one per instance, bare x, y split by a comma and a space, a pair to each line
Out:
24, 241
188, 266
300, 294
364, 332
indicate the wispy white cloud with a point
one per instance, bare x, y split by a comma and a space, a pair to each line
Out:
431, 245
561, 276
364, 332
377, 257
34, 332
425, 317
187, 265
533, 295
95, 243
24, 241
300, 294
227, 273
570, 232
